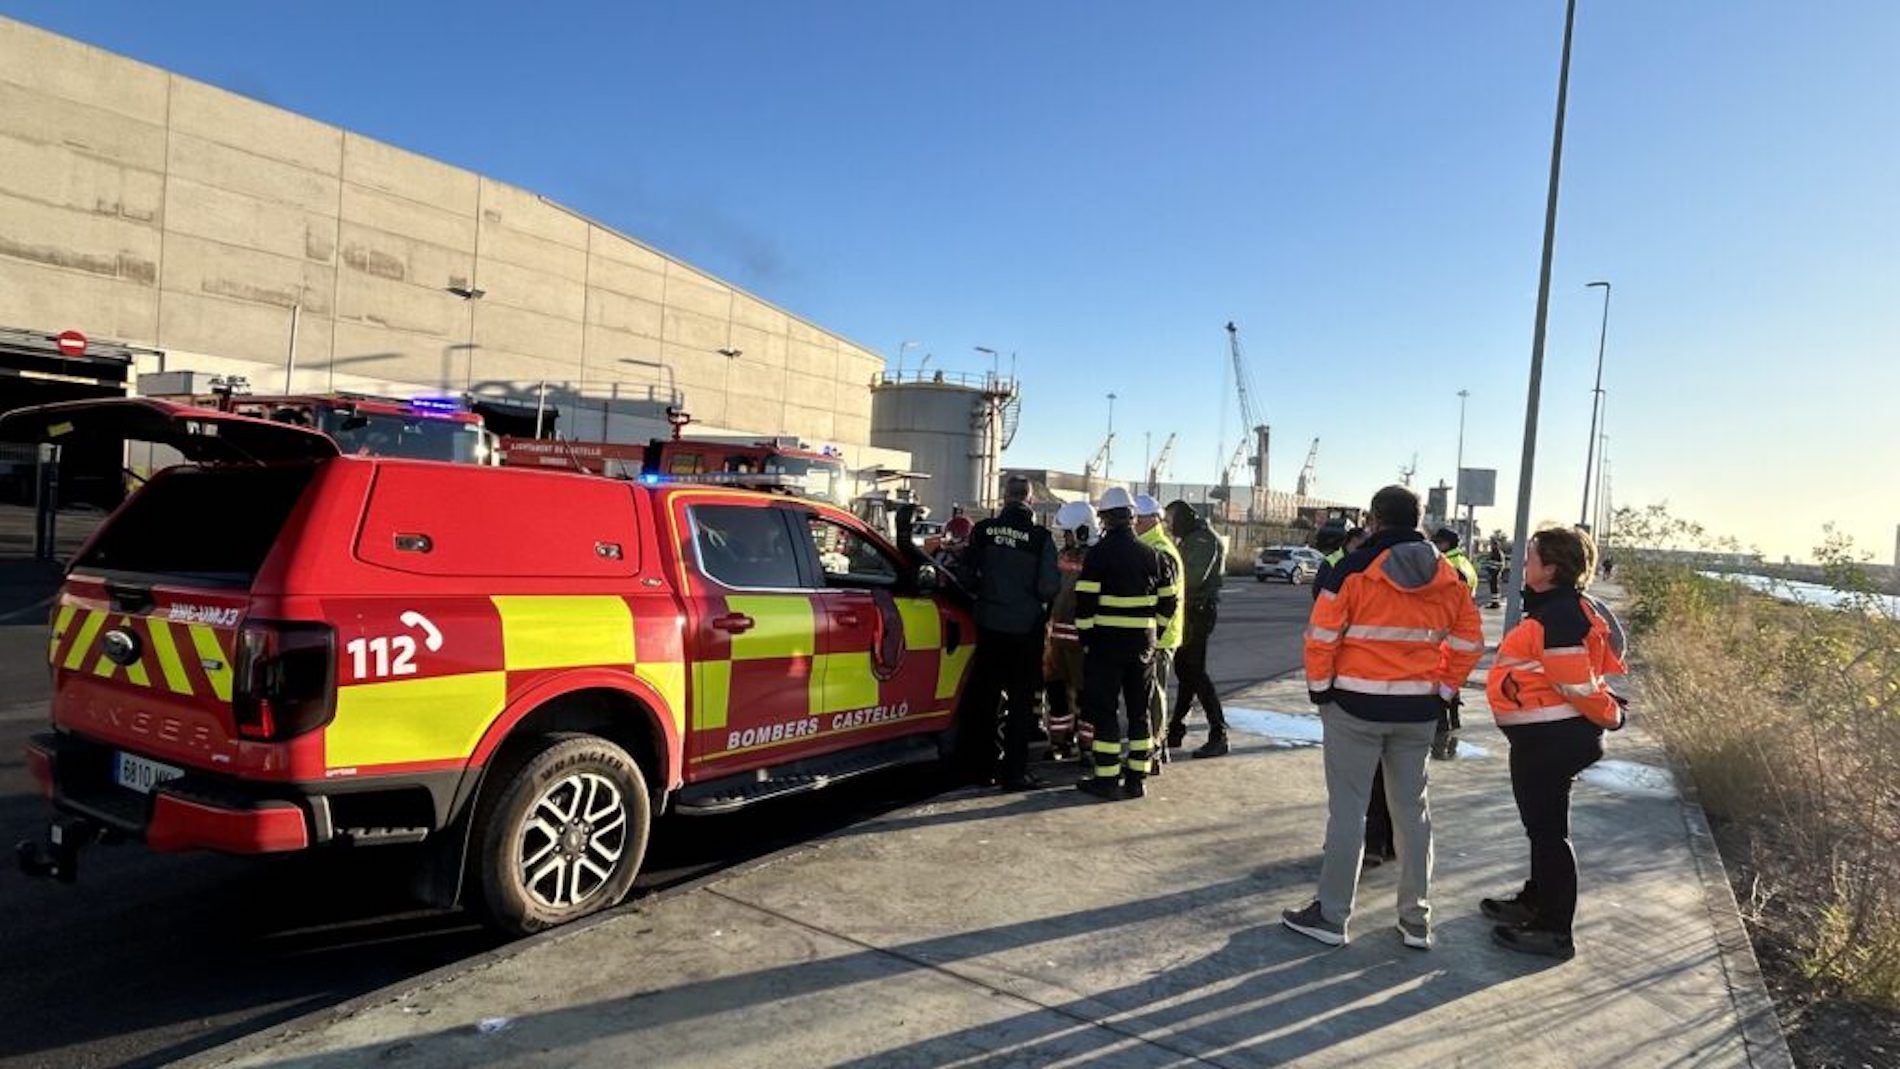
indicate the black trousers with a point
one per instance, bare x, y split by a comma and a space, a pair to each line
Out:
1379, 841
1115, 673
1007, 674
1545, 760
1190, 668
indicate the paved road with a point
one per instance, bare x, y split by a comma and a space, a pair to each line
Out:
152, 957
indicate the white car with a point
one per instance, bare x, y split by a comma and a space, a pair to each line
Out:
1292, 564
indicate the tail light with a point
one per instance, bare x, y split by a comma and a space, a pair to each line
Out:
285, 682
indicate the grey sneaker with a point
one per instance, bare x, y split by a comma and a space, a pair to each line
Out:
1416, 936
1311, 922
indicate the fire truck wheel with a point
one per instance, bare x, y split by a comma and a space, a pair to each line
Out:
561, 834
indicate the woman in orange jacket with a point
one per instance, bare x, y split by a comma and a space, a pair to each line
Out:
1548, 693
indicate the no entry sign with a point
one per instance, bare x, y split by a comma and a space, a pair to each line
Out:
71, 343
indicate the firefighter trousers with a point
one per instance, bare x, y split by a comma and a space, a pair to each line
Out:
1116, 671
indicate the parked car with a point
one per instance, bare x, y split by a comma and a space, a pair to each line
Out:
1291, 564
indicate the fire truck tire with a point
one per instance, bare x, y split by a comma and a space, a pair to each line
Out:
560, 834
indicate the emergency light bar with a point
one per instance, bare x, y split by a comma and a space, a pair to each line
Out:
435, 406
746, 480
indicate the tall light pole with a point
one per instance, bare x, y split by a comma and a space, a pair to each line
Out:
992, 356
901, 347
1596, 404
1528, 469
1108, 447
1458, 475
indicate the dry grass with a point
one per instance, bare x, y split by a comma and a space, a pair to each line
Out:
1788, 717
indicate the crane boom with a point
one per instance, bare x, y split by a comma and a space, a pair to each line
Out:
1160, 464
1306, 470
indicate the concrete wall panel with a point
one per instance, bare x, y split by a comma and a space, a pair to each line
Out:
608, 274
235, 219
525, 213
693, 292
808, 358
409, 219
499, 241
628, 314
62, 67
199, 266
417, 179
536, 291
101, 306
84, 242
620, 249
518, 330
693, 331
240, 171
755, 313
81, 128
816, 425
54, 174
760, 346
229, 119
253, 331
372, 299
810, 391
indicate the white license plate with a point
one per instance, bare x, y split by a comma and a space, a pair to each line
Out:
142, 774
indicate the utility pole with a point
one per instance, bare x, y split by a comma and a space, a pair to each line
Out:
290, 358
1108, 447
1596, 402
1458, 475
1513, 606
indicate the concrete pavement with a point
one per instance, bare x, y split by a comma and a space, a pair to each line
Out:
1039, 929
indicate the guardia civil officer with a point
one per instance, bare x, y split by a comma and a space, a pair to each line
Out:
1011, 563
1126, 594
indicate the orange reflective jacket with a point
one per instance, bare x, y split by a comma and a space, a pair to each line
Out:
1552, 665
1392, 624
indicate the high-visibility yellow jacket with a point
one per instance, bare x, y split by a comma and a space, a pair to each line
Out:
1170, 636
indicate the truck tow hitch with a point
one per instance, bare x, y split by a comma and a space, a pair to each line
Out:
57, 855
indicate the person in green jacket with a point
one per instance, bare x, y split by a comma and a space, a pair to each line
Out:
1149, 529
1447, 541
1204, 560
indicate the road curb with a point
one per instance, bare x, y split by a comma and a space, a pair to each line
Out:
1762, 1037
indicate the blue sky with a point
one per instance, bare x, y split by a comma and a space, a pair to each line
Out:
1099, 187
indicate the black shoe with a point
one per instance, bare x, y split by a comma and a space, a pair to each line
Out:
1214, 747
1515, 910
1177, 737
1102, 787
1133, 787
1535, 941
1027, 781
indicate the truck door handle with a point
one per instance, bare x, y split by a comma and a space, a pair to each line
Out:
737, 623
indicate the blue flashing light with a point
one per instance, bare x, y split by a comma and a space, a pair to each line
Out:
435, 405
650, 478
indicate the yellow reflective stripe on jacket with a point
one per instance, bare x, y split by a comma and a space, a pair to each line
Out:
1138, 623
1168, 592
1088, 586
1128, 601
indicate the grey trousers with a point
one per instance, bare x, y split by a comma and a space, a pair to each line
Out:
1354, 750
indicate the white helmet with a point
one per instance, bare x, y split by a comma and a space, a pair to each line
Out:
1146, 506
1075, 514
1117, 497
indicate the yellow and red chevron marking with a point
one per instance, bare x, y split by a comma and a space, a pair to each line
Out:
186, 659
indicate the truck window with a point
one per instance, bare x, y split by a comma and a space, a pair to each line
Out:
850, 559
213, 526
747, 547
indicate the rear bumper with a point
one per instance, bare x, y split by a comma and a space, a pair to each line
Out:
195, 812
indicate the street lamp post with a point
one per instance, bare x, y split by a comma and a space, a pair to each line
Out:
992, 356
1458, 476
1526, 471
290, 358
1596, 403
902, 347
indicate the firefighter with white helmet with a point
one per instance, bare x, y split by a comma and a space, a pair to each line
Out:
1062, 659
1127, 593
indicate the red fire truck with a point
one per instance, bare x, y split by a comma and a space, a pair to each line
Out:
810, 474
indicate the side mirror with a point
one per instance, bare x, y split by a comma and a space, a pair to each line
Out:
928, 578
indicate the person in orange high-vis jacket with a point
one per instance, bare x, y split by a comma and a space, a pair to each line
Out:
1393, 635
1549, 693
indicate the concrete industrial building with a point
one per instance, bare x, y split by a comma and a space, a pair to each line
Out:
178, 225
